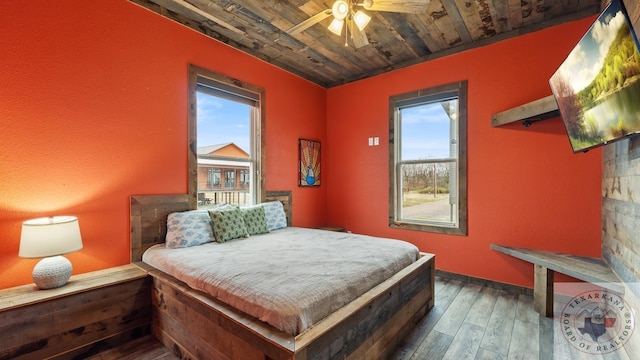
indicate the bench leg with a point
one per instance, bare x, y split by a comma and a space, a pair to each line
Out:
543, 291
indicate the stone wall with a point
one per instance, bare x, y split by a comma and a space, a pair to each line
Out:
621, 221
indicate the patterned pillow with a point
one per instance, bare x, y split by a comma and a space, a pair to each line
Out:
255, 220
274, 213
228, 224
188, 228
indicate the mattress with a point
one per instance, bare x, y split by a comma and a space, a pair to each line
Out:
289, 278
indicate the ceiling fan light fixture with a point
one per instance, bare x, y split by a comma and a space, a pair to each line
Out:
367, 4
336, 26
361, 19
340, 9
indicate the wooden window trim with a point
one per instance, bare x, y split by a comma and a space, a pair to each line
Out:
394, 101
195, 74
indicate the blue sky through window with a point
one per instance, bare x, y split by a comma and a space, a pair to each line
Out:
425, 128
222, 121
425, 132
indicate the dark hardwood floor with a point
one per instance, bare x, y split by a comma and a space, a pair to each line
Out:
468, 321
144, 348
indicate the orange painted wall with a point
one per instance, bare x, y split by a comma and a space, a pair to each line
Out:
525, 186
93, 109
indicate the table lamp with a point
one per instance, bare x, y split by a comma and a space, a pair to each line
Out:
48, 238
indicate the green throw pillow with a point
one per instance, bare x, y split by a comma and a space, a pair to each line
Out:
255, 220
228, 224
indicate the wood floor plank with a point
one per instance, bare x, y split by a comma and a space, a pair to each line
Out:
455, 315
545, 338
524, 341
524, 310
466, 343
563, 350
150, 353
144, 348
481, 309
433, 347
446, 291
485, 354
500, 326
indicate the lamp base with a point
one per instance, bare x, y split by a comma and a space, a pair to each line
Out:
52, 272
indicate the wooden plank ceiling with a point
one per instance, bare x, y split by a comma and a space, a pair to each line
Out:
396, 40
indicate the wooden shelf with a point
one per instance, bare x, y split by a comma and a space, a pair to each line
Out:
529, 113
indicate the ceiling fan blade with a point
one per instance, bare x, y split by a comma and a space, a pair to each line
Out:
309, 22
401, 6
358, 36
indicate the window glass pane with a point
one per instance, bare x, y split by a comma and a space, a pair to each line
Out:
426, 131
426, 193
222, 121
245, 178
224, 147
230, 179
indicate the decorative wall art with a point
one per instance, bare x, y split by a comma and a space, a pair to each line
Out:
309, 160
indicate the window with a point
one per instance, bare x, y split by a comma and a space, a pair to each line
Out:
245, 178
213, 149
427, 162
213, 178
216, 177
229, 179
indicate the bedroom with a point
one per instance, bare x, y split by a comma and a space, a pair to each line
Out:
93, 116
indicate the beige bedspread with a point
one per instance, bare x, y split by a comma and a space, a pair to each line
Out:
290, 278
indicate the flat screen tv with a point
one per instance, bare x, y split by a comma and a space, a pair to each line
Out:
597, 87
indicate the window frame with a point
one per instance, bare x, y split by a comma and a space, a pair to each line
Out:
235, 87
429, 95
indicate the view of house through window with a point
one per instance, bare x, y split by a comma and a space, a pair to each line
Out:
426, 167
227, 127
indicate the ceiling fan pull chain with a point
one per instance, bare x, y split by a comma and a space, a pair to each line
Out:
346, 33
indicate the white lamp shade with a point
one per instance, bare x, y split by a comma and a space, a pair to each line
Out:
336, 26
50, 236
340, 9
361, 19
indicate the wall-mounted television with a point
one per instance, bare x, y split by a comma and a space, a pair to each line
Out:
597, 87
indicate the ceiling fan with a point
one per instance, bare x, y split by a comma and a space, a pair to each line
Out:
351, 12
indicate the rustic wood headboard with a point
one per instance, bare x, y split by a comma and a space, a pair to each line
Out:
148, 216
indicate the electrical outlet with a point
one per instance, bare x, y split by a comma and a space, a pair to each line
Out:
370, 141
376, 141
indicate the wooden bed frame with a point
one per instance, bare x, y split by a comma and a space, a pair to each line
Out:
195, 326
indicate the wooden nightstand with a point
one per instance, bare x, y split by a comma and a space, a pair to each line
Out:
332, 228
94, 311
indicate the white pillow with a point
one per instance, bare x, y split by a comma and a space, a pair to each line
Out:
188, 228
274, 214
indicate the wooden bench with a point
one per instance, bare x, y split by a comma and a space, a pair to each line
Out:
589, 269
